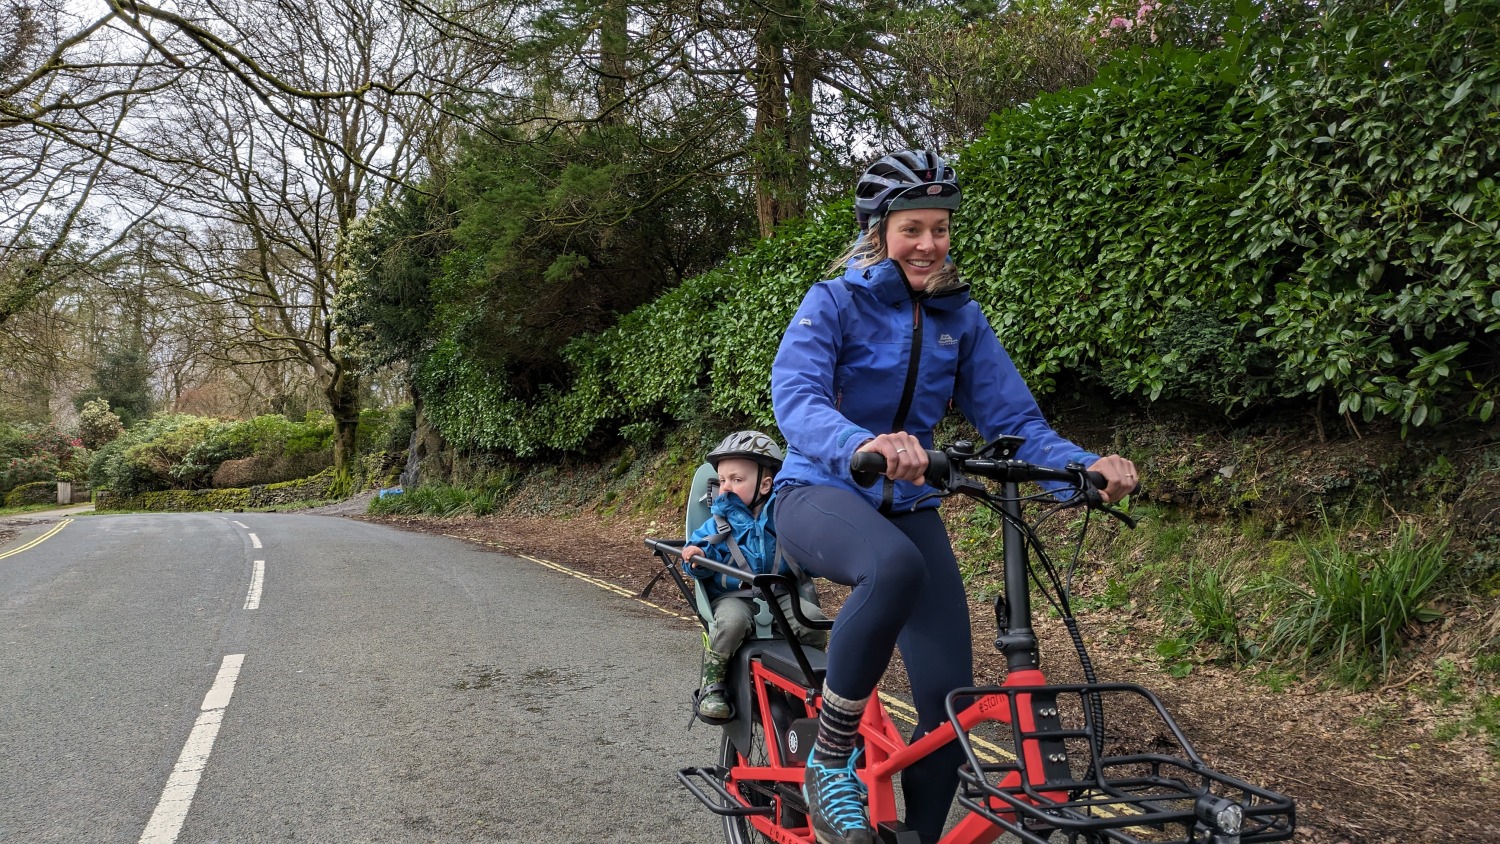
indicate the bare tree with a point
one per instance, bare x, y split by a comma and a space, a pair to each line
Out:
275, 177
69, 87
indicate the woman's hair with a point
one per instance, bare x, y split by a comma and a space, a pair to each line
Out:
869, 249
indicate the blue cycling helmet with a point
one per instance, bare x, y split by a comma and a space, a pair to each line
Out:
910, 178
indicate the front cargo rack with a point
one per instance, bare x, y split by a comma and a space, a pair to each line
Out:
1065, 775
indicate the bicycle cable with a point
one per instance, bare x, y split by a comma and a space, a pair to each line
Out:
1060, 601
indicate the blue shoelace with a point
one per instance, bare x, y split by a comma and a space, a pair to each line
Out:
841, 794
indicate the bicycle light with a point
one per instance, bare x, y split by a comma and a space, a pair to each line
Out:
1223, 816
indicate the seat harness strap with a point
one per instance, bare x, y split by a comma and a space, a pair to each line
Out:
726, 535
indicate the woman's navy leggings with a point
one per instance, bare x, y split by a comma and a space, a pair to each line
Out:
908, 593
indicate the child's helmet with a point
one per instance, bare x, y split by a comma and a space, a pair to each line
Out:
751, 445
910, 178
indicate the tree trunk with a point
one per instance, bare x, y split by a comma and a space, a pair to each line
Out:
343, 402
783, 120
800, 127
769, 143
614, 44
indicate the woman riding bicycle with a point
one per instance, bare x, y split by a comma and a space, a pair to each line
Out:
871, 362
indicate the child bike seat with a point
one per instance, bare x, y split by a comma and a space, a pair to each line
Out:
700, 500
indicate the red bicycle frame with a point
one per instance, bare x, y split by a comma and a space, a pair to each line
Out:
886, 754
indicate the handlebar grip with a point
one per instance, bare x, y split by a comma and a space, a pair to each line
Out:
866, 467
1096, 480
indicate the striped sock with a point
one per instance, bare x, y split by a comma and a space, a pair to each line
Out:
837, 726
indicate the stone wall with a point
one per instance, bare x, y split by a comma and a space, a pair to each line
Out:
36, 492
195, 500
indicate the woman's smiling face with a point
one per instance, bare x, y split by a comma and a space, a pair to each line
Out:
917, 240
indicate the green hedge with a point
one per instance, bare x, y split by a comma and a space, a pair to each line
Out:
1380, 181
715, 334
1293, 216
1309, 216
1096, 233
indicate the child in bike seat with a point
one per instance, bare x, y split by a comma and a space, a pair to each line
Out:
741, 533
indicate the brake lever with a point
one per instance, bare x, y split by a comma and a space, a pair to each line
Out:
1093, 497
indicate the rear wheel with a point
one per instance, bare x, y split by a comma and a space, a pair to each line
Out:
741, 830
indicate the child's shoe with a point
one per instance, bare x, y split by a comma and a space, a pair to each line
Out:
713, 704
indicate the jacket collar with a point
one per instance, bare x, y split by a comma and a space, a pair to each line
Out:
888, 285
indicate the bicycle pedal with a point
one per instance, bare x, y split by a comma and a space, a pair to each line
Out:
896, 832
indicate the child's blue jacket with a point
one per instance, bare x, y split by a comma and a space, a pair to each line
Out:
843, 366
756, 536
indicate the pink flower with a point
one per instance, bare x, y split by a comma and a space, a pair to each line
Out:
1120, 23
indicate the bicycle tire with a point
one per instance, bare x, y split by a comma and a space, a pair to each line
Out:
739, 830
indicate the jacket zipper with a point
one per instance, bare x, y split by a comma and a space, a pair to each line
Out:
888, 489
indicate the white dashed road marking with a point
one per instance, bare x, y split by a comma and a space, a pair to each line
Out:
177, 797
254, 541
253, 600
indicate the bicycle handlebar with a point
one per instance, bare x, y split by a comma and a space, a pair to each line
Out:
944, 469
704, 561
762, 583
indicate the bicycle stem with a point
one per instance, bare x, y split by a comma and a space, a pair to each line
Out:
1015, 637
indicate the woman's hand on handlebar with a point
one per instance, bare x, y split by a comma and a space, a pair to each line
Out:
1120, 475
905, 458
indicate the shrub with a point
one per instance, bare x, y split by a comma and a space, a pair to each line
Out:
265, 449
98, 425
714, 333
144, 457
35, 453
1307, 215
19, 471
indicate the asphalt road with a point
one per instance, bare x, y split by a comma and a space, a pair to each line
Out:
387, 686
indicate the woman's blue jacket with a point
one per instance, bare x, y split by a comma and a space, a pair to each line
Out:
756, 536
847, 360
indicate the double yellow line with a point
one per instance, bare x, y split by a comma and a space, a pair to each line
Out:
39, 540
